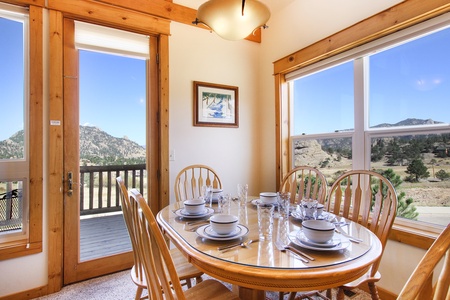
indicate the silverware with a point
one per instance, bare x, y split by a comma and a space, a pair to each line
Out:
301, 255
351, 238
242, 244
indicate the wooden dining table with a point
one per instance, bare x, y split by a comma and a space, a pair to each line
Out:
261, 266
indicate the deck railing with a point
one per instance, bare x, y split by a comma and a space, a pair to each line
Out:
99, 192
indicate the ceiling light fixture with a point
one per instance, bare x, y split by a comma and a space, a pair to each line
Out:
233, 19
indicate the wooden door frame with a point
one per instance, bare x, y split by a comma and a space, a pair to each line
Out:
157, 131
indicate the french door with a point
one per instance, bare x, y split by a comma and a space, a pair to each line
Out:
77, 268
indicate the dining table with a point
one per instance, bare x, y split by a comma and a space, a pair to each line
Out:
261, 266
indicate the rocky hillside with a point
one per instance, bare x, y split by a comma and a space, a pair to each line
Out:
96, 148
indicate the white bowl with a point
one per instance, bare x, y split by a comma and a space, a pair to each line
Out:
223, 224
268, 197
194, 206
318, 231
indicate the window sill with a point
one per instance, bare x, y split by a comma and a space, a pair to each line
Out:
414, 233
18, 249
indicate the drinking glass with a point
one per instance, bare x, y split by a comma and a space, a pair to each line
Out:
242, 194
207, 194
265, 220
308, 208
284, 201
224, 203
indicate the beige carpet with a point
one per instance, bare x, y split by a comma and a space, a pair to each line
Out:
119, 286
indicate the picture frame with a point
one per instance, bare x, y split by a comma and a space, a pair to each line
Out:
216, 105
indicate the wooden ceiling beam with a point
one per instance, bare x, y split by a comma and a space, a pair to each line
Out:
169, 10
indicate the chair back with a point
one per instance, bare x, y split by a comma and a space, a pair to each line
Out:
126, 209
162, 278
190, 180
368, 198
305, 183
419, 284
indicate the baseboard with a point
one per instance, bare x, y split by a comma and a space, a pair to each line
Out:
382, 293
26, 295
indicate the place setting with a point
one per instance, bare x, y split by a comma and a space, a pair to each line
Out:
194, 209
319, 235
222, 227
266, 198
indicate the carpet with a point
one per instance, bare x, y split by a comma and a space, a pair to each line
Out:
118, 286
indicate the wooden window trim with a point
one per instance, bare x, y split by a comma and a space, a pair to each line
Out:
33, 244
401, 16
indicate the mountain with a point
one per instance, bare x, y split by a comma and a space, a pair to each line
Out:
409, 122
96, 148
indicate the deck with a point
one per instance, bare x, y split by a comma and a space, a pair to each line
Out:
102, 236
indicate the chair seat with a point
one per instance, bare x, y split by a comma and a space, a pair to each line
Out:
211, 290
185, 270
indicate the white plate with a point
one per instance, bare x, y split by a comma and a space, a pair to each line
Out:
182, 213
258, 201
331, 243
202, 233
324, 216
342, 245
210, 232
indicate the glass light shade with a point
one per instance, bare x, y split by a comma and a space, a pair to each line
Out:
226, 19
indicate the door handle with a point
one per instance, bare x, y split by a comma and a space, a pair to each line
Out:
69, 183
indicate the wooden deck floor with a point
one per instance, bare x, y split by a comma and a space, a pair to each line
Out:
102, 236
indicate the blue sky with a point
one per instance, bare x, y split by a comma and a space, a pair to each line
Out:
413, 79
112, 89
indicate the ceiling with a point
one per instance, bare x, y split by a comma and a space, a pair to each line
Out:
273, 5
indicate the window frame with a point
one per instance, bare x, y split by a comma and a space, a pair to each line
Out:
407, 231
33, 128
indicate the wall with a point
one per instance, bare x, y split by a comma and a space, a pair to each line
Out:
198, 55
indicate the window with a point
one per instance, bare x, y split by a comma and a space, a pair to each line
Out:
14, 160
21, 137
383, 106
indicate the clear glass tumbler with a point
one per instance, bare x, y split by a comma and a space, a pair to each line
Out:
265, 220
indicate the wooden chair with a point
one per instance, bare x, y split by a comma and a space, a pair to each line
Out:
190, 180
159, 268
305, 182
419, 284
370, 199
185, 270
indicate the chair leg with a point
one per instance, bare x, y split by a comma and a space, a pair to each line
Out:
280, 295
373, 291
340, 294
198, 279
139, 293
292, 295
329, 295
188, 283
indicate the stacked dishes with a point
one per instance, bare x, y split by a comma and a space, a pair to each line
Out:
318, 235
222, 227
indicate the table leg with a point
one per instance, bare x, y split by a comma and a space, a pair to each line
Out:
251, 294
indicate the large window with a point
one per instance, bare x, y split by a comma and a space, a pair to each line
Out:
14, 159
383, 106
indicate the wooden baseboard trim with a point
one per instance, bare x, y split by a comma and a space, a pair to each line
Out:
382, 293
29, 294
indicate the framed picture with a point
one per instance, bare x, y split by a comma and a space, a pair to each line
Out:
215, 105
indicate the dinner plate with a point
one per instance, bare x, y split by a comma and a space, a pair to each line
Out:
331, 243
258, 201
324, 216
341, 246
201, 231
182, 213
210, 232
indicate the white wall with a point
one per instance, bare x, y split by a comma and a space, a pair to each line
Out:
198, 55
